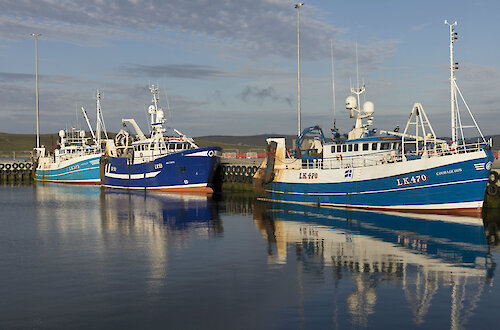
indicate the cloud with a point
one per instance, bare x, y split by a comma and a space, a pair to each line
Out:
188, 71
254, 28
8, 76
259, 95
218, 97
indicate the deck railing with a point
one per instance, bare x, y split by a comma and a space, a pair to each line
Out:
388, 157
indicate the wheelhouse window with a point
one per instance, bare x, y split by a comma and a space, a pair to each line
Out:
344, 148
339, 148
374, 146
356, 147
385, 146
349, 147
365, 146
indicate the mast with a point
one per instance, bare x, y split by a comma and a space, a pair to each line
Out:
36, 35
453, 68
98, 123
333, 89
88, 123
298, 5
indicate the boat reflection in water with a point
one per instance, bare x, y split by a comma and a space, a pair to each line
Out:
421, 255
173, 211
107, 226
195, 213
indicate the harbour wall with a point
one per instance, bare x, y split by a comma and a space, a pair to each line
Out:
16, 171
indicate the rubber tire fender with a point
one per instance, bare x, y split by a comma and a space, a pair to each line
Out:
493, 177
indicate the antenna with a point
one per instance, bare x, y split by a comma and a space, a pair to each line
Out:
357, 67
168, 106
357, 90
333, 88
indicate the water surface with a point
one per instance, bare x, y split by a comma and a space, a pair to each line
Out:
85, 257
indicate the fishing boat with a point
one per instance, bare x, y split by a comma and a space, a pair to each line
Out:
76, 156
411, 170
158, 162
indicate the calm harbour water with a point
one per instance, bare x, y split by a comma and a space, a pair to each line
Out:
85, 257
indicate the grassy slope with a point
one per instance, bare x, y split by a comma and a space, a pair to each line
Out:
22, 144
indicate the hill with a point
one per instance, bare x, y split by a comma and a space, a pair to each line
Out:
244, 143
22, 144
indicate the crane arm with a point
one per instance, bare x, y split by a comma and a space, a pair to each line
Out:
137, 129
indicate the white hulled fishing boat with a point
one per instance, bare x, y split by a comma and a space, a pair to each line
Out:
383, 170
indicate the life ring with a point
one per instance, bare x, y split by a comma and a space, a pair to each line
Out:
141, 154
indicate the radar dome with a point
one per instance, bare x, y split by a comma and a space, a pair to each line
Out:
159, 115
368, 108
351, 103
151, 109
61, 133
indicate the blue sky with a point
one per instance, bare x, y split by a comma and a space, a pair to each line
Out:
229, 67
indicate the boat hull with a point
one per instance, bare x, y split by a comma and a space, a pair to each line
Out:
452, 184
77, 170
189, 171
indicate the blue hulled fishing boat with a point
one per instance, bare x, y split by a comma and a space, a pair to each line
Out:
160, 161
76, 157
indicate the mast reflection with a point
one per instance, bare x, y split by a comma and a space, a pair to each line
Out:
420, 254
101, 222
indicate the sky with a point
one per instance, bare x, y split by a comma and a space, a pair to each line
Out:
229, 67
